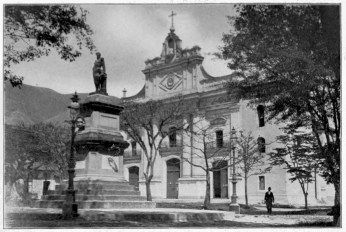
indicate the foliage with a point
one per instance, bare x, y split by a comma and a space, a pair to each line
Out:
32, 30
21, 153
148, 123
54, 143
287, 59
300, 156
250, 160
29, 148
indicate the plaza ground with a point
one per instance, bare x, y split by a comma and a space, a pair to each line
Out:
255, 216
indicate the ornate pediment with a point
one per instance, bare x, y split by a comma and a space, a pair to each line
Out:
171, 81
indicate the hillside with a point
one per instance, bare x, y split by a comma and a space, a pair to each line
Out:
32, 104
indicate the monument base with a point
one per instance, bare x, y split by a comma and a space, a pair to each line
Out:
234, 208
69, 211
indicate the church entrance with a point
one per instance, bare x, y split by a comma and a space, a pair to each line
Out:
134, 177
220, 180
173, 174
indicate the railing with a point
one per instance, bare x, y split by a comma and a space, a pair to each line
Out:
213, 145
213, 148
171, 149
132, 153
171, 145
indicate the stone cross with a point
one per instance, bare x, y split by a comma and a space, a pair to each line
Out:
172, 15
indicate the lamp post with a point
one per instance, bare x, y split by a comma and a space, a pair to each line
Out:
70, 208
234, 206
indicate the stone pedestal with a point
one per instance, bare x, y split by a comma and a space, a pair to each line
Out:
97, 166
99, 182
100, 145
234, 208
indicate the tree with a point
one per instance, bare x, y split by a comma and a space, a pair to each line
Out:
22, 158
250, 160
54, 142
148, 124
29, 148
209, 152
300, 157
285, 58
32, 30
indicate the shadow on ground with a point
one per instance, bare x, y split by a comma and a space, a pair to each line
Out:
19, 220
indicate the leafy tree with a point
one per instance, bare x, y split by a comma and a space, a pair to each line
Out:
300, 157
22, 158
207, 153
29, 148
54, 143
286, 57
147, 123
250, 160
32, 30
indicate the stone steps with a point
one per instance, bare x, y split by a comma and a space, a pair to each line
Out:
96, 187
95, 204
98, 197
97, 192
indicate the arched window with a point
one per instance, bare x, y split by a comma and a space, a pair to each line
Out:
170, 46
172, 137
260, 112
219, 138
261, 144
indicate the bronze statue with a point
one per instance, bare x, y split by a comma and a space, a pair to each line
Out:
99, 73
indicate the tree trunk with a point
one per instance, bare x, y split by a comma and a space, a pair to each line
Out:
306, 200
246, 199
147, 185
26, 190
207, 192
336, 207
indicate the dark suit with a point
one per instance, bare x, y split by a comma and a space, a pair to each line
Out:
269, 199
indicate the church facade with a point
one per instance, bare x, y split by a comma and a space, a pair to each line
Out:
180, 71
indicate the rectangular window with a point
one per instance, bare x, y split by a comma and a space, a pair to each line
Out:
261, 182
219, 139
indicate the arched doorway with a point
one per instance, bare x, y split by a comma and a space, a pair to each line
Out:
173, 174
134, 177
220, 179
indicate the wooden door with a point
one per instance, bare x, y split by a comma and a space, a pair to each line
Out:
134, 177
224, 183
220, 179
217, 184
173, 174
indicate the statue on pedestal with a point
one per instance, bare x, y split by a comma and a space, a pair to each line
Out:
99, 74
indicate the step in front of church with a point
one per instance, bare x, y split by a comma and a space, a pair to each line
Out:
96, 195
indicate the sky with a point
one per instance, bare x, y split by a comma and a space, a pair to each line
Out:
127, 35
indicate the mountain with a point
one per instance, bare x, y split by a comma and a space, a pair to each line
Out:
32, 104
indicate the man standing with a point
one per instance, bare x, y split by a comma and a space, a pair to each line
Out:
269, 199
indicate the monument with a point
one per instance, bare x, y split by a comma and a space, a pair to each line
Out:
99, 74
99, 179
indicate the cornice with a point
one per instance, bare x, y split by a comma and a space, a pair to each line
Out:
180, 62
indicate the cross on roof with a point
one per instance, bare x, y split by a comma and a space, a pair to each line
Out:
172, 15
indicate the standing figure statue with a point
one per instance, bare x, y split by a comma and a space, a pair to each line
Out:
99, 73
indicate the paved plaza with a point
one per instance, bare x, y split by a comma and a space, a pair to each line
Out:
19, 217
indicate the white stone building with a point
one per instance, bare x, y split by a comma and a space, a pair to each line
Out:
180, 71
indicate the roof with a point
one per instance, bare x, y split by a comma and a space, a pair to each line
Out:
140, 94
210, 79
